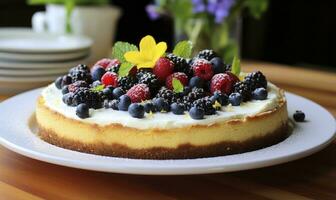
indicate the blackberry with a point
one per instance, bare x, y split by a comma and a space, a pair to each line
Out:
87, 96
206, 54
81, 75
256, 80
113, 68
206, 104
74, 86
227, 67
166, 94
150, 80
180, 64
79, 67
126, 82
199, 92
244, 89
192, 96
113, 104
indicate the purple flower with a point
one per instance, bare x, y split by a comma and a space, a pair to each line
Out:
198, 6
220, 9
152, 12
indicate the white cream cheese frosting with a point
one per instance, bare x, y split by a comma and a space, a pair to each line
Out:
102, 117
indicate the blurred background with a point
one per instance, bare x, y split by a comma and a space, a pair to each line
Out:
299, 32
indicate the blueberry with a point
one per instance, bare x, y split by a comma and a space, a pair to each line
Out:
114, 104
65, 90
196, 82
106, 104
82, 111
67, 99
235, 99
117, 92
259, 94
196, 112
66, 80
177, 109
220, 97
58, 82
136, 110
186, 91
124, 102
97, 72
96, 83
217, 65
299, 116
108, 92
149, 107
161, 105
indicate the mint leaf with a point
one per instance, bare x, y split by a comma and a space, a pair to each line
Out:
177, 85
120, 48
98, 88
235, 66
183, 49
125, 68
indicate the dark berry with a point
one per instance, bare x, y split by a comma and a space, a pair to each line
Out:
196, 113
167, 94
206, 104
161, 105
87, 96
196, 82
180, 64
110, 79
221, 98
235, 99
82, 111
117, 92
106, 104
299, 116
67, 99
218, 65
124, 102
114, 104
65, 89
113, 68
150, 80
95, 84
126, 82
108, 92
149, 107
186, 90
66, 80
80, 67
177, 108
256, 80
203, 69
97, 72
244, 89
74, 86
136, 110
206, 54
58, 82
259, 94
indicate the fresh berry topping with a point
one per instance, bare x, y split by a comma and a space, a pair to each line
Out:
182, 77
136, 110
244, 89
192, 96
235, 99
133, 71
117, 92
203, 69
79, 67
196, 82
206, 54
74, 86
196, 113
113, 104
106, 62
161, 105
113, 68
167, 94
87, 96
218, 65
97, 72
299, 116
66, 80
81, 75
95, 84
259, 94
124, 102
82, 111
223, 82
206, 104
186, 91
110, 78
256, 80
177, 108
163, 68
180, 64
65, 89
58, 82
149, 107
138, 93
150, 79
126, 82
108, 93
67, 99
221, 98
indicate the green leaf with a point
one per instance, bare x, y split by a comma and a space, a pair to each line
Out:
177, 85
256, 7
98, 88
183, 49
125, 68
120, 48
235, 66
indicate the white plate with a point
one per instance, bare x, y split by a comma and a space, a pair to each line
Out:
32, 72
306, 139
10, 87
25, 40
41, 65
43, 57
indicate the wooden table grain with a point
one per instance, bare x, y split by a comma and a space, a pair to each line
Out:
309, 178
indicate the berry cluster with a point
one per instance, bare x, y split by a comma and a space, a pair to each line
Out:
207, 84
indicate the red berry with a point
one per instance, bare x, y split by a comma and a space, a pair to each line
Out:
223, 82
110, 78
139, 93
163, 68
106, 62
133, 71
203, 69
182, 77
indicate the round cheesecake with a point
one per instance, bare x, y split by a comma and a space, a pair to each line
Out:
233, 129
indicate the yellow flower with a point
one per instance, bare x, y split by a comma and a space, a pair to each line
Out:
149, 53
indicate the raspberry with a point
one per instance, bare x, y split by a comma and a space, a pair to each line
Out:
163, 68
206, 54
203, 69
110, 78
223, 82
182, 77
138, 93
106, 62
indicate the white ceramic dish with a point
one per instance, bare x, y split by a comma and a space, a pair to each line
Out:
24, 40
32, 72
307, 138
10, 87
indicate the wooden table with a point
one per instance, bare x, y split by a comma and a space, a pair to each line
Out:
313, 177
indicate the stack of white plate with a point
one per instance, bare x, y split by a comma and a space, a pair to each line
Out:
29, 59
